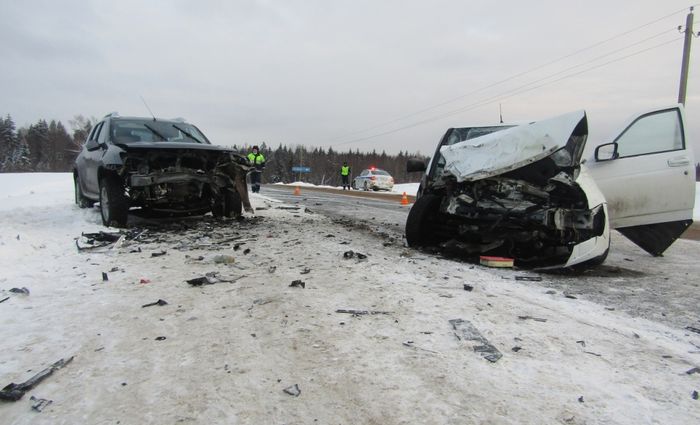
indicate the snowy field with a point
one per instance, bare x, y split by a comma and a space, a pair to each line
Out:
231, 348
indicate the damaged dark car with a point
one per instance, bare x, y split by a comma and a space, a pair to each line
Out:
166, 167
529, 192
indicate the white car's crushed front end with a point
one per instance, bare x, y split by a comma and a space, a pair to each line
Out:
522, 193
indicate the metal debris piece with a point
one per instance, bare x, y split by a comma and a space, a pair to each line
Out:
694, 395
468, 287
693, 370
298, 283
516, 348
360, 256
14, 392
583, 343
348, 254
159, 302
592, 353
4, 299
468, 332
105, 278
293, 390
204, 280
580, 399
158, 253
160, 338
360, 312
536, 319
39, 404
23, 290
305, 271
529, 278
573, 297
246, 251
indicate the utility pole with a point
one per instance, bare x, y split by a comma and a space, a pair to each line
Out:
686, 56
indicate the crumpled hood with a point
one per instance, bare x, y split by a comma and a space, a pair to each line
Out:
509, 149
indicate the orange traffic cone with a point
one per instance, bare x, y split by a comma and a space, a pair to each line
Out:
404, 199
297, 191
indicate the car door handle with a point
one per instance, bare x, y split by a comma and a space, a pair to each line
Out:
678, 162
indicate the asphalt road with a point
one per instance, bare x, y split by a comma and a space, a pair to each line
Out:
663, 289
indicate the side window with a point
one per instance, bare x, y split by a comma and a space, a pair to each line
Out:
653, 133
102, 135
96, 133
92, 132
364, 172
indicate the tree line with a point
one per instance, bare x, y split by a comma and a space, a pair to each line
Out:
51, 147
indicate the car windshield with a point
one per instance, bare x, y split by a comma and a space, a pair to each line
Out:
155, 131
380, 172
458, 135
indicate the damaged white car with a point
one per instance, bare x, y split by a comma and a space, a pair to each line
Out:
524, 191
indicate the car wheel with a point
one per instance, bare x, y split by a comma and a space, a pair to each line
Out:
418, 223
114, 204
229, 205
80, 199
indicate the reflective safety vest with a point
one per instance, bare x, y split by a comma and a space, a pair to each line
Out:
256, 159
344, 170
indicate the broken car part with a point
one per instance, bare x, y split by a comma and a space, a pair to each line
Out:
159, 302
14, 392
465, 330
39, 404
294, 390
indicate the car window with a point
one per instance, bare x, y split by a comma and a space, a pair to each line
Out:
133, 130
92, 132
653, 133
364, 172
98, 130
102, 133
380, 173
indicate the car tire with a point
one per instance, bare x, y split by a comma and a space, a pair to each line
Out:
114, 204
80, 200
418, 229
229, 205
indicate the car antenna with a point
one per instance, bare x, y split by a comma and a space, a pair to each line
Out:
500, 112
149, 109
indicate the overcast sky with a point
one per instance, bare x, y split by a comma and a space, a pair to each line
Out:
319, 72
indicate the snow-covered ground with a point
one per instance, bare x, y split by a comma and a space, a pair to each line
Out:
232, 347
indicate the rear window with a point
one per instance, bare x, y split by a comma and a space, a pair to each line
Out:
380, 173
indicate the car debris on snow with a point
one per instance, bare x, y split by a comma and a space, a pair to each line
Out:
693, 370
4, 299
529, 278
160, 338
39, 404
14, 392
410, 344
294, 390
693, 329
355, 312
465, 330
536, 319
468, 287
23, 291
105, 277
159, 303
298, 284
158, 253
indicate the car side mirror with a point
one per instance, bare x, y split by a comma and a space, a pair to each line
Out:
606, 152
415, 165
92, 145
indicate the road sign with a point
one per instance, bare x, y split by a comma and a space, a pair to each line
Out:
301, 169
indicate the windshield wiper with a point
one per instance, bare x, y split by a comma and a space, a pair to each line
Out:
154, 131
186, 133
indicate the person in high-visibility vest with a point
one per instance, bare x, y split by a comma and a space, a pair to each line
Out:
257, 160
345, 175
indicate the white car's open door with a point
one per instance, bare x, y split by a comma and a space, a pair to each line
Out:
647, 174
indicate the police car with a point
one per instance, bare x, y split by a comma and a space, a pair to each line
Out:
374, 179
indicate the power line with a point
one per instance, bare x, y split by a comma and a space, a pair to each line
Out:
520, 74
508, 94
